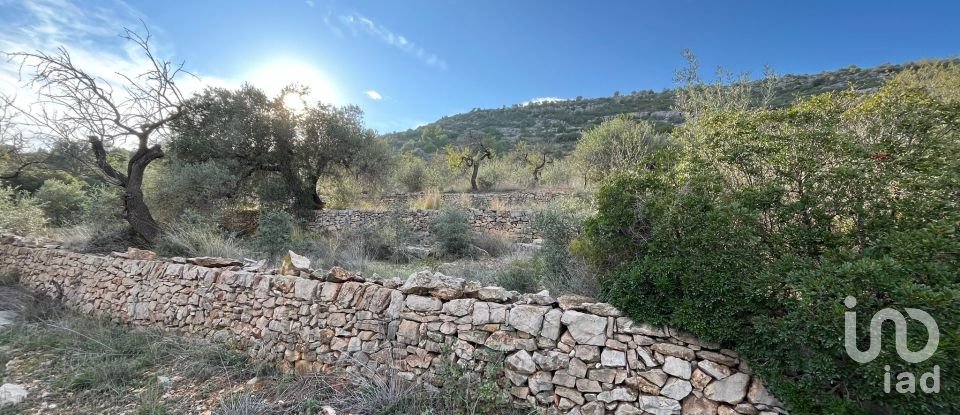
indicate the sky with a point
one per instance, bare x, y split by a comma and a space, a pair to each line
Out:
407, 63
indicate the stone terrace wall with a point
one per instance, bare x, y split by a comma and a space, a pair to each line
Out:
512, 224
569, 355
482, 200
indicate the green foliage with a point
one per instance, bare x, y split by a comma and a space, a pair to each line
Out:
557, 124
256, 136
521, 276
753, 233
20, 212
618, 144
411, 172
176, 186
274, 232
432, 139
103, 205
451, 232
62, 200
561, 271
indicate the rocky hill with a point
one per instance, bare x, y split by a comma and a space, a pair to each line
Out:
557, 124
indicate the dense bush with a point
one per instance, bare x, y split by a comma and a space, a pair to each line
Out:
177, 186
274, 232
62, 200
754, 233
561, 271
451, 232
20, 213
411, 173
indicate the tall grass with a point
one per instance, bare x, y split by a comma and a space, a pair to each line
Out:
193, 240
429, 200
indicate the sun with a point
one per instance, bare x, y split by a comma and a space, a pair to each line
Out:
275, 74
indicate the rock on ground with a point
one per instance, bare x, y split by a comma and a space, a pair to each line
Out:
12, 394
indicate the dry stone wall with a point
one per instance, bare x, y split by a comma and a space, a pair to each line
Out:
482, 200
569, 355
512, 224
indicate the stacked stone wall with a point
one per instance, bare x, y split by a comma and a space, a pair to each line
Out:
570, 355
511, 224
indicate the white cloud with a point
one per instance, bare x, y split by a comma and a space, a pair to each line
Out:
310, 3
543, 100
374, 95
358, 24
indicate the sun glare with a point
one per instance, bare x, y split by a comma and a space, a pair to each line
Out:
278, 73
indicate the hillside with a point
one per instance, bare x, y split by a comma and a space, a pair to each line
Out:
558, 124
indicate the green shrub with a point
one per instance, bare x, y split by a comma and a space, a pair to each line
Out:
20, 213
275, 232
753, 234
562, 272
411, 173
451, 232
493, 244
103, 205
62, 201
521, 275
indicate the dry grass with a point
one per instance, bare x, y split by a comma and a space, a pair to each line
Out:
429, 200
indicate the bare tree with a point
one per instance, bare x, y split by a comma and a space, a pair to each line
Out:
533, 157
74, 105
470, 156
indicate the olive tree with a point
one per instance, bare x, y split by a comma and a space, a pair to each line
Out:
256, 134
470, 155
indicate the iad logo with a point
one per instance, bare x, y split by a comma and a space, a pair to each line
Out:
906, 381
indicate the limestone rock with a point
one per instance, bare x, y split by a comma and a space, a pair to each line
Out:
627, 409
668, 349
628, 326
593, 408
540, 382
699, 406
716, 370
540, 298
423, 304
292, 264
527, 318
141, 254
495, 294
12, 394
677, 367
459, 307
613, 358
617, 394
521, 362
659, 405
602, 309
551, 324
730, 390
758, 394
435, 284
676, 389
573, 302
337, 274
586, 328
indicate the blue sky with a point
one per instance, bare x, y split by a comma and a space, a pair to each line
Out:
410, 62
